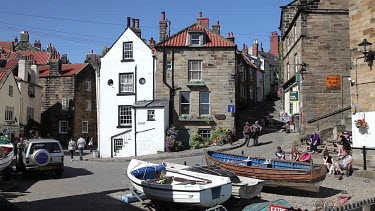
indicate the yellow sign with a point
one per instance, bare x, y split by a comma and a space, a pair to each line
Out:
333, 82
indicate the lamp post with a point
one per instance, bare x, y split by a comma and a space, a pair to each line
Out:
369, 54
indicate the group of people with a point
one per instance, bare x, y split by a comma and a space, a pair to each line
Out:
251, 132
80, 144
294, 155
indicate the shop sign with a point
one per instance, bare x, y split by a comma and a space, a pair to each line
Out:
333, 82
293, 96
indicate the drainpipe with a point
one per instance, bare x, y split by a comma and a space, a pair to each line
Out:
135, 113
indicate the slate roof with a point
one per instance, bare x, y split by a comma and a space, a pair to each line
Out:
272, 59
212, 39
41, 57
66, 69
150, 103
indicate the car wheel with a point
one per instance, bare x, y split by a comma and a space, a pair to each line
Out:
41, 157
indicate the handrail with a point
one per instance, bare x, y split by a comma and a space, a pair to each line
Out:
329, 114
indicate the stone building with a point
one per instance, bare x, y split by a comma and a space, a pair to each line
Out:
69, 100
198, 71
362, 26
316, 62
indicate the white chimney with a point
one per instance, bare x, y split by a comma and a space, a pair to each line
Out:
23, 72
34, 74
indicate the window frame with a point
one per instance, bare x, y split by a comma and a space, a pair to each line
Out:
9, 113
61, 126
65, 104
129, 124
125, 50
151, 115
189, 103
88, 86
124, 84
192, 39
87, 127
29, 113
31, 91
10, 91
191, 71
204, 134
169, 64
209, 104
88, 105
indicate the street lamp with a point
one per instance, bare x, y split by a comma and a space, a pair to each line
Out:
369, 54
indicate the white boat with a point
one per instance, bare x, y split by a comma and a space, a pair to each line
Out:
178, 188
242, 187
6, 153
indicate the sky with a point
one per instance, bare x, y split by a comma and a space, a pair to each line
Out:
78, 27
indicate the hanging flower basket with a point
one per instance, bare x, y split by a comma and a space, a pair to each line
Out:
361, 123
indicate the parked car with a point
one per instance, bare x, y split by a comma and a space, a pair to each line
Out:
42, 155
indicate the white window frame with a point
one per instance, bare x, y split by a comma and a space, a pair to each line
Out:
191, 71
205, 133
88, 105
9, 113
193, 39
125, 115
126, 83
186, 103
205, 103
127, 50
63, 126
88, 86
169, 65
150, 115
10, 91
65, 104
85, 127
30, 113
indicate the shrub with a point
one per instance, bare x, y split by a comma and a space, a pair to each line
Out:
172, 144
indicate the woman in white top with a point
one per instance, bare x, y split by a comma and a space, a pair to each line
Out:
72, 147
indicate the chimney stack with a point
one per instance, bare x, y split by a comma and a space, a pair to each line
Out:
16, 40
203, 21
230, 37
275, 40
24, 36
105, 50
64, 59
216, 28
128, 22
37, 44
162, 27
244, 49
50, 48
34, 73
11, 49
23, 72
133, 23
55, 65
136, 28
151, 43
255, 49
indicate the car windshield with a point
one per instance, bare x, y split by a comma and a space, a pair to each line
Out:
50, 147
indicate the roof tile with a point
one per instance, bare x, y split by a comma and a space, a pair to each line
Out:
41, 57
66, 69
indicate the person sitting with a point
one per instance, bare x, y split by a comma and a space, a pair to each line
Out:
343, 144
294, 154
305, 156
328, 162
280, 154
346, 164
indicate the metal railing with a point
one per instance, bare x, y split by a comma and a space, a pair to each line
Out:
364, 148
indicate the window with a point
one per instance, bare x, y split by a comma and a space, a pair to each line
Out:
125, 116
88, 86
85, 127
184, 103
195, 39
288, 71
30, 113
205, 133
150, 115
10, 91
128, 50
295, 63
126, 83
65, 104
204, 103
63, 126
195, 70
31, 91
88, 105
169, 65
9, 113
118, 142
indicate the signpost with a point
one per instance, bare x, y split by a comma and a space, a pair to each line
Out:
293, 96
333, 82
231, 108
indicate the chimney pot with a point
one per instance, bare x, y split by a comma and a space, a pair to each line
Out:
133, 23
163, 16
128, 22
200, 14
137, 23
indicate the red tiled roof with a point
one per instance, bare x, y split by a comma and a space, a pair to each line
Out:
2, 74
11, 63
212, 39
66, 69
5, 45
41, 57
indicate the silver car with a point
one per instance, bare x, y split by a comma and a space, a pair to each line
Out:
42, 155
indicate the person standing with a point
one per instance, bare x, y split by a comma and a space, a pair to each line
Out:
91, 144
246, 133
81, 143
72, 148
256, 128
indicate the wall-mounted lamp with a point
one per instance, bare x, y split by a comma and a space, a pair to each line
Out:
369, 54
352, 82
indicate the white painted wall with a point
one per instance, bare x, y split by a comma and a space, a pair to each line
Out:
364, 137
30, 102
108, 99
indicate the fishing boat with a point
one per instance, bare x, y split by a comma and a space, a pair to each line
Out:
6, 153
242, 187
275, 172
178, 188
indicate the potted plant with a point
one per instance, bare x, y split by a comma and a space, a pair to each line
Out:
360, 123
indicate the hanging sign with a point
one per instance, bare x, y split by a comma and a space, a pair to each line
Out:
293, 96
333, 82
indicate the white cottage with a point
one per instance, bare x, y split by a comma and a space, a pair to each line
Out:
130, 121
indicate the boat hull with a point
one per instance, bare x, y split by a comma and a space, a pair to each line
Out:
6, 161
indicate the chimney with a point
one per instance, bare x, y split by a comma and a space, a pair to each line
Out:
133, 23
151, 43
23, 72
24, 36
64, 59
105, 49
162, 27
230, 37
128, 22
136, 29
34, 73
50, 49
16, 40
216, 28
37, 44
204, 21
275, 39
11, 49
55, 65
255, 49
244, 49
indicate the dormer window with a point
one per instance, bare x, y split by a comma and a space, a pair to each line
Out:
195, 39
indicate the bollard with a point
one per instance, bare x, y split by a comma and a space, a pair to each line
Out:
185, 162
242, 152
364, 158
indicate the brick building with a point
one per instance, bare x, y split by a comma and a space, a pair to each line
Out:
200, 72
316, 61
362, 26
